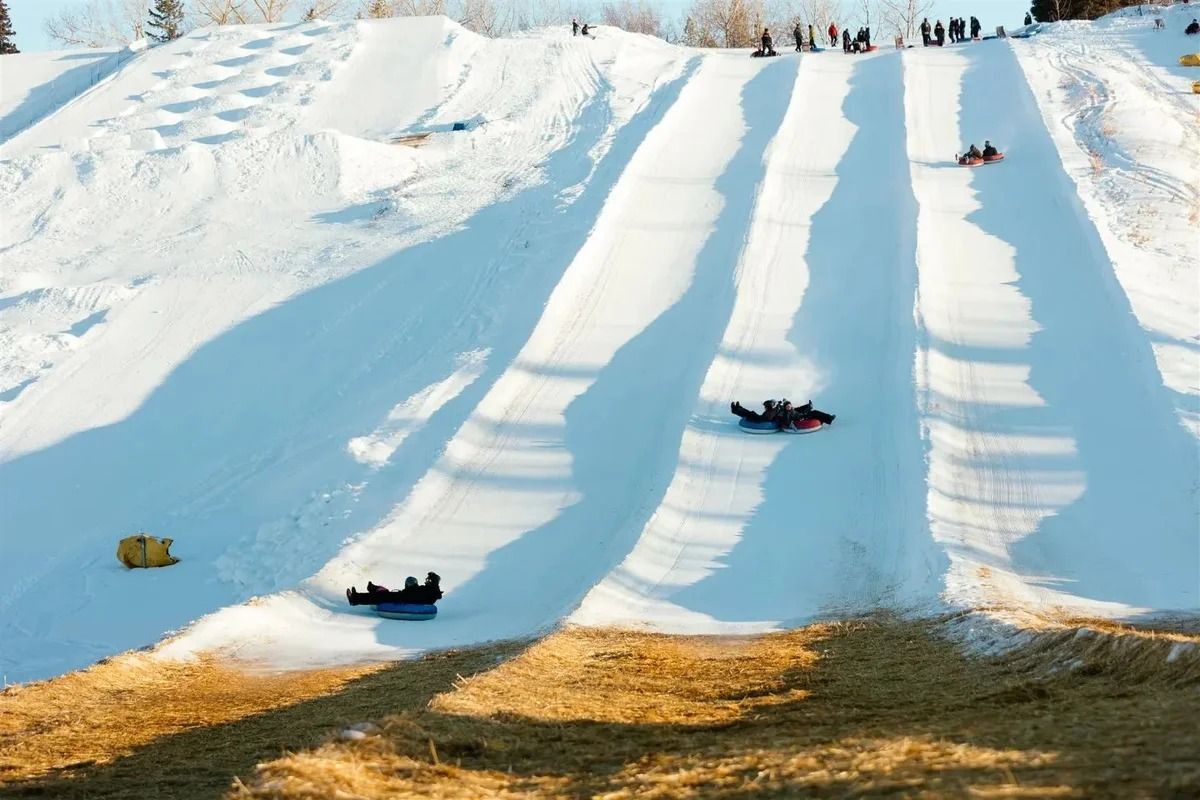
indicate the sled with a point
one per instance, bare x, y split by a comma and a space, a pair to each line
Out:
412, 612
800, 426
993, 159
144, 551
1190, 60
411, 140
760, 54
1195, 87
966, 161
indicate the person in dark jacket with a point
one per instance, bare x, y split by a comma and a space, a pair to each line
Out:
417, 594
770, 411
574, 27
939, 33
798, 35
925, 29
790, 415
988, 150
768, 48
955, 32
973, 152
867, 38
584, 30
975, 26
1193, 29
846, 41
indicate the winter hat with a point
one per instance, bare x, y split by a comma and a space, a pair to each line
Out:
410, 582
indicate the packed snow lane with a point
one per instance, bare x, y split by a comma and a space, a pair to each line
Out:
756, 533
248, 448
1052, 434
1110, 95
551, 477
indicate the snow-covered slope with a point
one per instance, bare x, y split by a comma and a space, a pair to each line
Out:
233, 314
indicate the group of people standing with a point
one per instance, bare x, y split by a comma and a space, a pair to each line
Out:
958, 31
798, 35
861, 42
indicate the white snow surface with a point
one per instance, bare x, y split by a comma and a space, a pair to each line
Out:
233, 313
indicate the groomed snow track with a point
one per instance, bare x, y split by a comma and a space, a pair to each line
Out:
233, 314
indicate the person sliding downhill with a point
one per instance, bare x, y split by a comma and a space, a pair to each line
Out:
973, 152
413, 592
1193, 29
988, 150
782, 413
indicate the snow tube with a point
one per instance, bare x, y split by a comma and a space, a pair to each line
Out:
802, 426
406, 611
1195, 87
993, 159
970, 162
1190, 60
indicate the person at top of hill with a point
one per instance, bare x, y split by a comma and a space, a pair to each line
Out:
833, 35
812, 37
988, 150
939, 33
584, 30
846, 41
925, 29
975, 26
1194, 28
574, 27
1028, 18
798, 35
415, 593
768, 47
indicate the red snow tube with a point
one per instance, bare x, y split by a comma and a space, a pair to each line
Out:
993, 159
967, 161
804, 426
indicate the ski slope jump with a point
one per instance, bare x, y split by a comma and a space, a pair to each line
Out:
236, 315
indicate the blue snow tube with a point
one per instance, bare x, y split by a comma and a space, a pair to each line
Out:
757, 427
406, 611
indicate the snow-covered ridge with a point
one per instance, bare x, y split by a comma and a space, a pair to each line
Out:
234, 312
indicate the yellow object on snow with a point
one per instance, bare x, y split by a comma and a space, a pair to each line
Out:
141, 550
1195, 87
1190, 60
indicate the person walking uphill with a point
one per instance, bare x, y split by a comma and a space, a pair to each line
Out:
925, 29
799, 37
833, 35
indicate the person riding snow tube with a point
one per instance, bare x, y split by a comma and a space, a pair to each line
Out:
971, 158
1193, 29
413, 593
991, 153
781, 415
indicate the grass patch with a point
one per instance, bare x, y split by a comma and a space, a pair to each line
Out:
869, 708
136, 727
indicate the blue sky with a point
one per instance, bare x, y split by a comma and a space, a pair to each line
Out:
28, 15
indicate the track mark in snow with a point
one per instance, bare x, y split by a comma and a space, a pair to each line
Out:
377, 448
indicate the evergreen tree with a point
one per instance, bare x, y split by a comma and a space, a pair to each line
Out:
167, 17
6, 32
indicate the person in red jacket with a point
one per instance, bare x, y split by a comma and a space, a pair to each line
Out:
833, 33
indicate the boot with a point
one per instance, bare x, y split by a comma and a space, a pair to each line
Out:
372, 588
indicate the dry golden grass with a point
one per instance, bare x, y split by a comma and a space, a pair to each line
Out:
136, 727
868, 708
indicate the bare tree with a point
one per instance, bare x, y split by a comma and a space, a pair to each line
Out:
322, 9
98, 23
727, 23
271, 10
221, 12
635, 16
479, 16
905, 15
418, 8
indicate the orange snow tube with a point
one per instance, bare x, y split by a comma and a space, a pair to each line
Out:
1190, 60
1195, 87
967, 161
993, 159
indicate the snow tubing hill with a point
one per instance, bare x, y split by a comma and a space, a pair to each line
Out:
802, 426
413, 612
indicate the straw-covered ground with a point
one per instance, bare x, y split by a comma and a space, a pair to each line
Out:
873, 707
